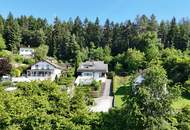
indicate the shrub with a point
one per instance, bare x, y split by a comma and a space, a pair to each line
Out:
110, 75
22, 68
15, 72
96, 85
70, 72
29, 61
63, 80
187, 87
18, 58
5, 66
4, 53
7, 54
6, 83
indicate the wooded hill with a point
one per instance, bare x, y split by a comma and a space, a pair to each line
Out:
160, 50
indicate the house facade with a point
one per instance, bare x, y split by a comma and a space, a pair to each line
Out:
26, 52
91, 70
42, 70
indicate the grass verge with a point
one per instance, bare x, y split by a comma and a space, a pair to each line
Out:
120, 89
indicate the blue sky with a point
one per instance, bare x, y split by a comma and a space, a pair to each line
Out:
116, 10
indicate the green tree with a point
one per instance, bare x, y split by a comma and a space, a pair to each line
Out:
93, 33
12, 33
184, 39
118, 68
142, 23
56, 38
176, 64
134, 59
162, 33
183, 118
107, 34
2, 43
173, 34
187, 87
153, 25
5, 66
152, 52
1, 25
41, 52
149, 104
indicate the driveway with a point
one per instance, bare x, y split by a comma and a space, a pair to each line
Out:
103, 103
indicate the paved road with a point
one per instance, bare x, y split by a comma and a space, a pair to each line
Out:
107, 88
103, 103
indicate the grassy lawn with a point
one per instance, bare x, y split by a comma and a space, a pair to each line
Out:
120, 88
180, 103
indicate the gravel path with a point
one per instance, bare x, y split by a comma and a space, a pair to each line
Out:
104, 103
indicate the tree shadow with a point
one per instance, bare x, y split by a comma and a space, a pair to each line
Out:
186, 95
122, 90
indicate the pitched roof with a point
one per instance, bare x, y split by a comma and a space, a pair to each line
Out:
28, 48
56, 65
95, 66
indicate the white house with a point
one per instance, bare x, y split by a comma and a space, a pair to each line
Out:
41, 70
139, 80
91, 70
26, 52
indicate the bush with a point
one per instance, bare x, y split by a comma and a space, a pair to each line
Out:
18, 58
29, 61
6, 83
118, 68
187, 87
7, 54
4, 53
22, 68
110, 75
96, 85
70, 72
62, 80
5, 67
15, 72
41, 52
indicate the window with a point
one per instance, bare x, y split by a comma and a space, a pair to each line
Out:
47, 66
87, 74
36, 66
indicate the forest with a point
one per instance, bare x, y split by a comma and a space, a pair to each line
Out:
161, 50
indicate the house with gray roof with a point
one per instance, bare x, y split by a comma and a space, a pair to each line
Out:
91, 70
42, 70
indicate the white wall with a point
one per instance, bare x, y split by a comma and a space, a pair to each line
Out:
26, 51
56, 72
95, 75
90, 74
84, 79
